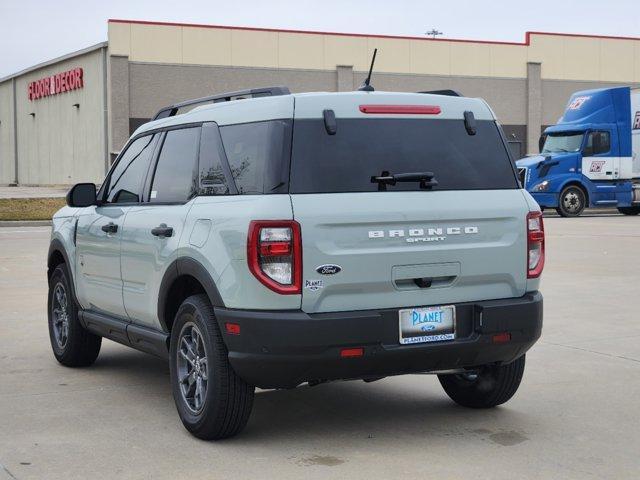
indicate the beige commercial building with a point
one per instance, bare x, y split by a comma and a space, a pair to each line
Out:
63, 121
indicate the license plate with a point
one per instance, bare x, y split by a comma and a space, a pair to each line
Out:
429, 324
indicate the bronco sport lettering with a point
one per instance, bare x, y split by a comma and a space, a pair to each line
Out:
421, 232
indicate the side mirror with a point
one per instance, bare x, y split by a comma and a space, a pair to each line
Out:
82, 195
541, 143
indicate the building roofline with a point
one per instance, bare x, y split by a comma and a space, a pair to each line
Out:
527, 40
97, 46
579, 35
53, 61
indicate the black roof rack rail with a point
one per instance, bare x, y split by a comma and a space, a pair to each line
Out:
172, 110
448, 93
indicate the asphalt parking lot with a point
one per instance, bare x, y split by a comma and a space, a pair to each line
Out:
576, 415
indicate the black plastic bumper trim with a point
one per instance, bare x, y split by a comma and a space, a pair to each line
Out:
281, 349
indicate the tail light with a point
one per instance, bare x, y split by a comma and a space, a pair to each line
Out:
535, 244
274, 253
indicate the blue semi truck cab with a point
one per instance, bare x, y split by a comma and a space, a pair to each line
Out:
591, 157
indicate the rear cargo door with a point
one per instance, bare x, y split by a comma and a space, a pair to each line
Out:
373, 244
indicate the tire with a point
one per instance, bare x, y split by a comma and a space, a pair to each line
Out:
629, 210
489, 387
212, 401
571, 202
72, 345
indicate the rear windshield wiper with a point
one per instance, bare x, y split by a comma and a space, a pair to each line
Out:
427, 179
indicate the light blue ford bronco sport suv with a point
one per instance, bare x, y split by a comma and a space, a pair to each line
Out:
268, 239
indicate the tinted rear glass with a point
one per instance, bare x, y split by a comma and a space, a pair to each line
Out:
214, 176
175, 176
362, 148
258, 155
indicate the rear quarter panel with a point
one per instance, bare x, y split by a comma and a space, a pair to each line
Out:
215, 235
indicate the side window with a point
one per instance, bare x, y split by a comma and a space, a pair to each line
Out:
588, 147
605, 144
175, 177
259, 155
595, 147
212, 177
127, 177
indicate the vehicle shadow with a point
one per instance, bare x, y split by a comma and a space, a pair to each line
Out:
412, 405
408, 406
125, 364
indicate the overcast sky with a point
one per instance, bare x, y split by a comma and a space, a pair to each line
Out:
32, 31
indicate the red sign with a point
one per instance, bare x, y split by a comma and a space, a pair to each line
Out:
58, 83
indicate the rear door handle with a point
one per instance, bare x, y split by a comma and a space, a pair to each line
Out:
110, 228
162, 231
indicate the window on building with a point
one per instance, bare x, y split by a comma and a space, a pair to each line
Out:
127, 177
175, 178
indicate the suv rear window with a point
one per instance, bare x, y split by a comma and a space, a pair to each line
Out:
362, 148
258, 155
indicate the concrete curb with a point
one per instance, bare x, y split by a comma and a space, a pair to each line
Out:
25, 223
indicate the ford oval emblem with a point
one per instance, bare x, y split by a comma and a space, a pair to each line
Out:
329, 269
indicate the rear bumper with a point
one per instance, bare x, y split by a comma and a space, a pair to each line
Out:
281, 349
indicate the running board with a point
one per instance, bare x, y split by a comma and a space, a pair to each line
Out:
141, 338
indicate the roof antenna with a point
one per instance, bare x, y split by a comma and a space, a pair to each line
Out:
366, 85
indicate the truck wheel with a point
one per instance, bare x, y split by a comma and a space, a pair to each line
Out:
571, 202
212, 401
72, 345
629, 210
488, 387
